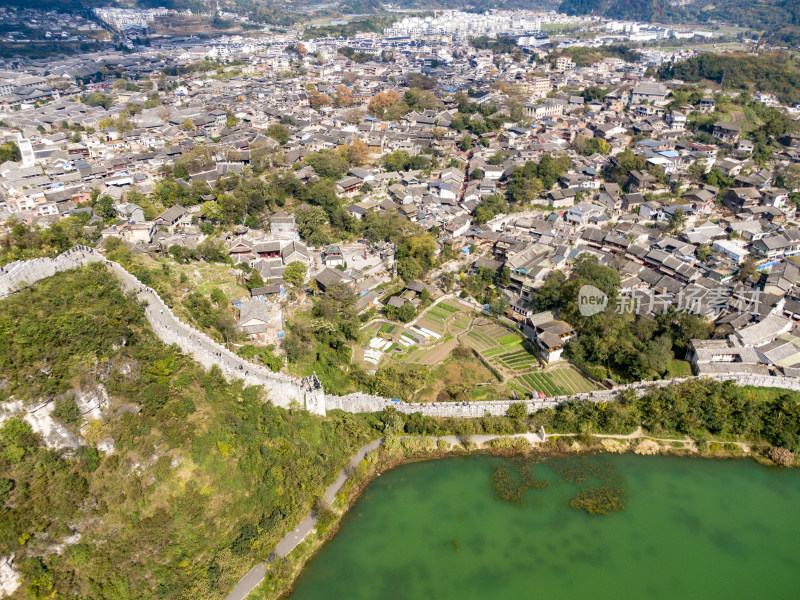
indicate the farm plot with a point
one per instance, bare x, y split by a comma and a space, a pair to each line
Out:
373, 328
461, 322
557, 382
479, 341
502, 347
519, 360
439, 313
431, 324
510, 341
437, 354
452, 308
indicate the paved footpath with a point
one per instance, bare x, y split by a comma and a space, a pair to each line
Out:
256, 575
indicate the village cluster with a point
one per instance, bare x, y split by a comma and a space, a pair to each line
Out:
664, 227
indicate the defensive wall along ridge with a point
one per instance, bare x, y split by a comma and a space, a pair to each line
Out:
307, 392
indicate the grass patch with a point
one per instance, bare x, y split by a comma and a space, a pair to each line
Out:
442, 314
492, 352
448, 307
679, 368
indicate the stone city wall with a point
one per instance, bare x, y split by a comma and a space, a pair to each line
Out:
284, 390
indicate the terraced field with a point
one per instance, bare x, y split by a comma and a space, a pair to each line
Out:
502, 347
432, 323
519, 360
557, 382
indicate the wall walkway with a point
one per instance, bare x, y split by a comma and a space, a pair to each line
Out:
285, 390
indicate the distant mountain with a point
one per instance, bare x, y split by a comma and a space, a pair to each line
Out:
779, 20
624, 10
294, 7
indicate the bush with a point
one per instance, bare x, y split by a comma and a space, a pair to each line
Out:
517, 411
67, 411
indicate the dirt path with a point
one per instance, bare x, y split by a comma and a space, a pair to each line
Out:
639, 434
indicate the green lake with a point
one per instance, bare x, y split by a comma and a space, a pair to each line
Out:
691, 528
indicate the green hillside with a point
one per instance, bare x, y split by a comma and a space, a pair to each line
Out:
205, 478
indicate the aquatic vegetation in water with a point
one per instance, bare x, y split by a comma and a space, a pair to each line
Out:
596, 500
600, 487
599, 500
511, 479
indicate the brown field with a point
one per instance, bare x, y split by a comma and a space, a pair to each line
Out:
455, 380
438, 354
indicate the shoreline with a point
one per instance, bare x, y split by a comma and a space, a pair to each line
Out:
385, 454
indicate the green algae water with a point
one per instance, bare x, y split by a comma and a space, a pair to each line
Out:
691, 528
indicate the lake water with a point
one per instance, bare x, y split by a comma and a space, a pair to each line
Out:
691, 528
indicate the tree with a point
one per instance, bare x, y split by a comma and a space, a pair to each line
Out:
67, 411
406, 312
255, 280
213, 250
523, 189
104, 208
626, 162
398, 160
496, 158
354, 116
420, 100
295, 273
176, 252
319, 100
10, 152
747, 270
409, 268
381, 102
517, 411
180, 170
696, 170
313, 225
97, 99
343, 96
596, 145
476, 174
677, 221
278, 132
789, 178
167, 193
187, 124
327, 164
231, 120
357, 153
499, 305
465, 143
504, 276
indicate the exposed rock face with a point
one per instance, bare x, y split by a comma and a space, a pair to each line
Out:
10, 579
647, 448
92, 402
56, 436
614, 445
106, 446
